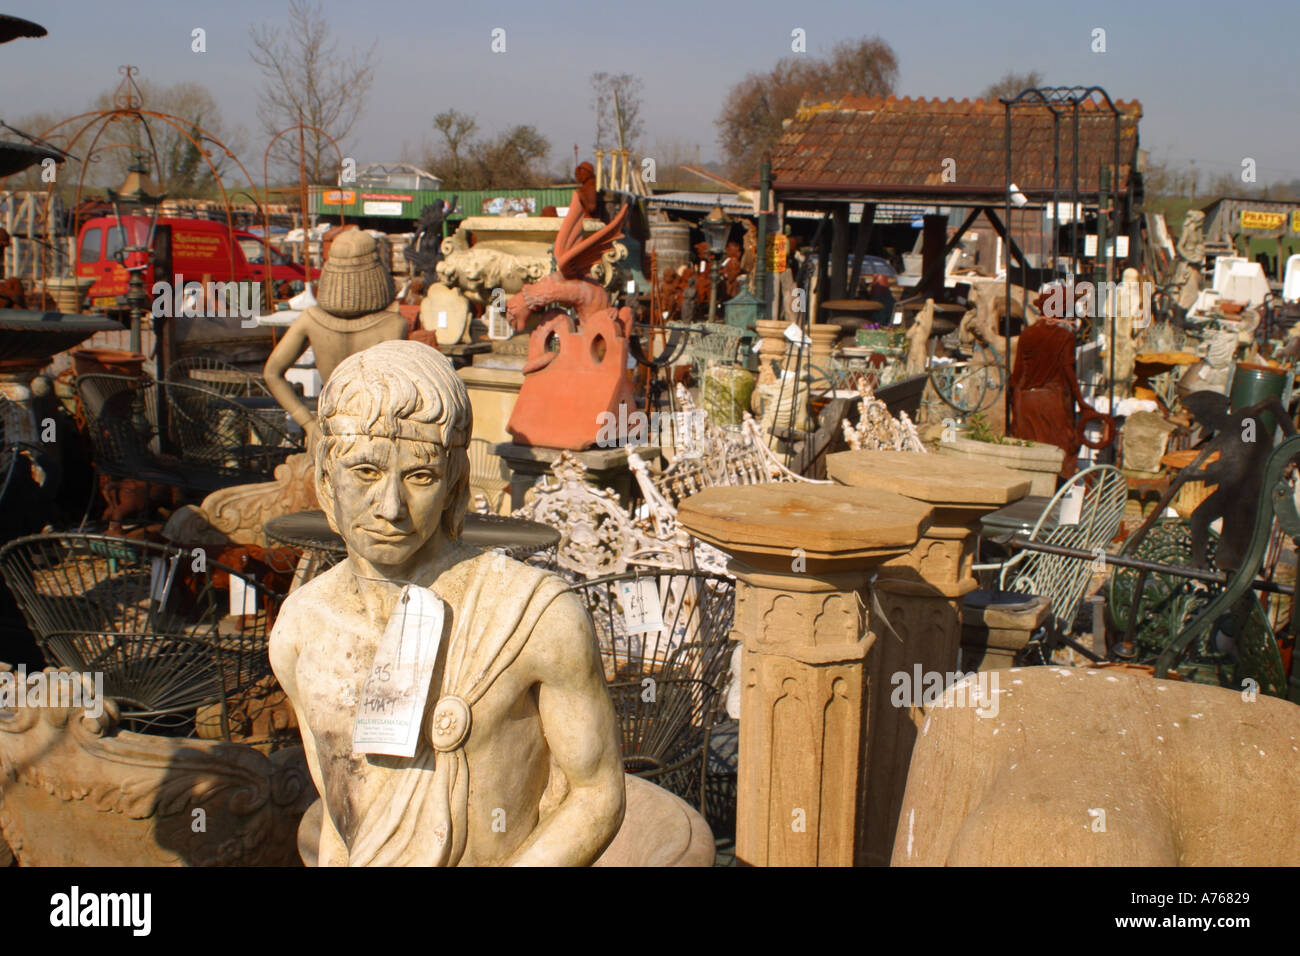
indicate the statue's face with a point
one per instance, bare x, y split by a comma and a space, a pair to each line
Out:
388, 498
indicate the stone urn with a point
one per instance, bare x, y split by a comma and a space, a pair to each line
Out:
68, 292
823, 340
1042, 462
771, 335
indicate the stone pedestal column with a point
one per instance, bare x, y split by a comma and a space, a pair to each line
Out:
920, 595
823, 340
802, 555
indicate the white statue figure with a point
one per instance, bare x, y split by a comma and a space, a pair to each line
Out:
484, 668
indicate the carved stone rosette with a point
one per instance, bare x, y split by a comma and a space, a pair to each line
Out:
77, 791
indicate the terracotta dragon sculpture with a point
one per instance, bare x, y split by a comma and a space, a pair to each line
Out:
577, 356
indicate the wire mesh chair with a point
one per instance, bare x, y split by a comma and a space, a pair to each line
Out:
488, 474
664, 639
152, 619
122, 420
217, 376
226, 437
1063, 580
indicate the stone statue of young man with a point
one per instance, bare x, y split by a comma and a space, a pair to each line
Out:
516, 759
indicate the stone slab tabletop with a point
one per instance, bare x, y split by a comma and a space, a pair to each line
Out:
828, 522
939, 481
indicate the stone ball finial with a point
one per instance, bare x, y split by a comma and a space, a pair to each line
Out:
354, 281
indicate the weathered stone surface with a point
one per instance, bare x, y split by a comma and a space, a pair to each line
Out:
938, 482
514, 757
75, 790
919, 594
802, 556
1185, 774
766, 523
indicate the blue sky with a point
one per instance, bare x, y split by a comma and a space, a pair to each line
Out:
1217, 82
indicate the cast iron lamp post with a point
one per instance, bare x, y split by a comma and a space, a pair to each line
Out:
716, 229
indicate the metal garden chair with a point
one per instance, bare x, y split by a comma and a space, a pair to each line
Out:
664, 639
1064, 580
217, 376
154, 621
226, 436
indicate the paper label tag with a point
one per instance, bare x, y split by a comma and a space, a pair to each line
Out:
391, 708
641, 610
1072, 506
442, 320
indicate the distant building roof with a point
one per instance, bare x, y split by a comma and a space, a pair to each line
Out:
890, 146
398, 176
730, 202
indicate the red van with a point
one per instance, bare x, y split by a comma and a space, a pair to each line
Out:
191, 248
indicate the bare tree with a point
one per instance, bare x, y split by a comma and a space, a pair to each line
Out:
182, 169
1012, 84
617, 102
307, 77
512, 158
456, 128
755, 108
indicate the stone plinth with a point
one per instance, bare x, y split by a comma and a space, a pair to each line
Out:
492, 395
997, 626
802, 555
606, 467
920, 593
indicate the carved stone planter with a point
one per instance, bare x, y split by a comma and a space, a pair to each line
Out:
76, 791
1040, 461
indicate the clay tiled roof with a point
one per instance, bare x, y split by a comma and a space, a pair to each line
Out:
892, 146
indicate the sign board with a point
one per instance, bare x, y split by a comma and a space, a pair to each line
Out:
388, 197
1259, 219
381, 208
777, 246
510, 206
1295, 221
338, 197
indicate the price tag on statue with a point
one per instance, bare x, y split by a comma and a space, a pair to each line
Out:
391, 708
641, 608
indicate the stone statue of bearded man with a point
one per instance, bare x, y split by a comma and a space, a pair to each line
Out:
515, 750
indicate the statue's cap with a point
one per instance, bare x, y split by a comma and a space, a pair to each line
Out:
354, 281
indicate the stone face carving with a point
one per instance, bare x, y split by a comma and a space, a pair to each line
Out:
516, 758
1102, 768
77, 791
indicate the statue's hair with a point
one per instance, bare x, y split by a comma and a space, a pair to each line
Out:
401, 381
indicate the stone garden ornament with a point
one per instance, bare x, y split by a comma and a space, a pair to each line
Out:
451, 701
